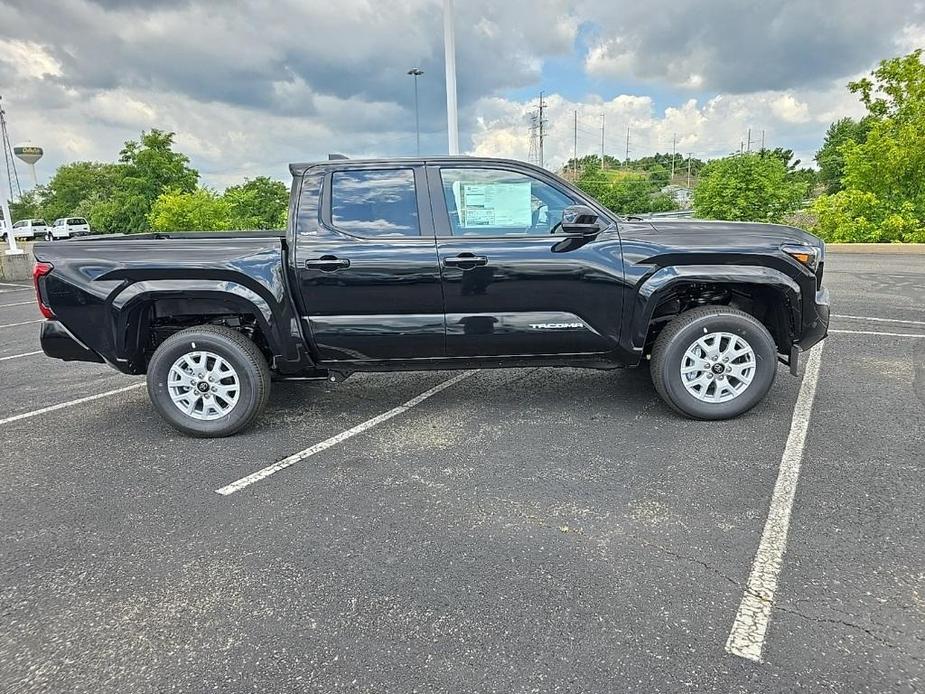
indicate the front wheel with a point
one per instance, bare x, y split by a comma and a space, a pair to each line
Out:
713, 362
209, 381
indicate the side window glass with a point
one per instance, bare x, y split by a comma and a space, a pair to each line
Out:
494, 202
375, 202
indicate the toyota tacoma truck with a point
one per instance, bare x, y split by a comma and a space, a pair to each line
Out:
435, 263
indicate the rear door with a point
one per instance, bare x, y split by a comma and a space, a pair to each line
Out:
513, 284
366, 264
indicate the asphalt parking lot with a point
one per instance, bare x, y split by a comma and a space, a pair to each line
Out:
517, 531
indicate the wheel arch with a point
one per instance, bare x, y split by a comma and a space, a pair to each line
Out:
767, 294
143, 312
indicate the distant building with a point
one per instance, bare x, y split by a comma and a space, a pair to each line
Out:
682, 195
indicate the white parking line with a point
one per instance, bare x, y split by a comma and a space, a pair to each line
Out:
869, 332
13, 325
10, 284
881, 320
334, 440
11, 291
21, 303
751, 622
17, 356
62, 405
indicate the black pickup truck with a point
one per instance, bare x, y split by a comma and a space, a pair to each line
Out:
435, 263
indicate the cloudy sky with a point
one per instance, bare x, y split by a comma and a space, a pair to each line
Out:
251, 85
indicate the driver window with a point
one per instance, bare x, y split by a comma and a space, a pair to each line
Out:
495, 202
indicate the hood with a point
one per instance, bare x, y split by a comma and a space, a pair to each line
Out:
720, 234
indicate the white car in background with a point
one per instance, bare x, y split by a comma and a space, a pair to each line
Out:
29, 229
66, 227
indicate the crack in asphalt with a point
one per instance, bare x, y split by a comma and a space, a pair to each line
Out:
787, 610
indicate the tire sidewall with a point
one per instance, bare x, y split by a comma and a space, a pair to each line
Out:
765, 370
174, 348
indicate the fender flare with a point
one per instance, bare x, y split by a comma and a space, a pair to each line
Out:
656, 285
281, 330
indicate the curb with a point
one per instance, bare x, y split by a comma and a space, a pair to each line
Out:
879, 248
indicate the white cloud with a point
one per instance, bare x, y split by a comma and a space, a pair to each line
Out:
713, 128
28, 59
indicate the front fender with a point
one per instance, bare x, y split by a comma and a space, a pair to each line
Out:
657, 285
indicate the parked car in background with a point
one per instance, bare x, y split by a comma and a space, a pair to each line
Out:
29, 229
67, 227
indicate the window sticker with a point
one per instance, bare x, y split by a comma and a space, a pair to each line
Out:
494, 205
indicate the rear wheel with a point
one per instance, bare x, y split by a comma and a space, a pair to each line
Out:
209, 381
713, 362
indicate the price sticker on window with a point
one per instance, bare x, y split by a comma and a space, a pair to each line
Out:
495, 205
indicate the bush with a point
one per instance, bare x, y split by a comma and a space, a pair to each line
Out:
747, 187
855, 216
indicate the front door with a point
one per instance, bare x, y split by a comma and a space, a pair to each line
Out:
367, 266
513, 284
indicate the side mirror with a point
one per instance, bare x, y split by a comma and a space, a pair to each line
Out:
580, 220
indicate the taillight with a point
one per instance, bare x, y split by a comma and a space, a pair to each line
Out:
38, 272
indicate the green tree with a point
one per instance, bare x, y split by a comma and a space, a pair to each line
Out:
261, 203
148, 167
830, 156
883, 195
630, 193
747, 187
28, 206
200, 210
74, 183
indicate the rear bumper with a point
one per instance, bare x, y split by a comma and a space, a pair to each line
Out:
816, 320
58, 343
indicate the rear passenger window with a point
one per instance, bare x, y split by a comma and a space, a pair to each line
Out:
375, 202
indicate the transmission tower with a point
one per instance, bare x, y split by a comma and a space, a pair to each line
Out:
12, 176
541, 126
534, 156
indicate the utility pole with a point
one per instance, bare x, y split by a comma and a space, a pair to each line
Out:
416, 72
449, 49
762, 140
688, 170
575, 149
603, 163
674, 147
627, 161
749, 147
542, 126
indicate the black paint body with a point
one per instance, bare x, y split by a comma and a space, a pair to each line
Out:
326, 299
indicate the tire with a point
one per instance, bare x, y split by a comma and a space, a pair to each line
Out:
702, 393
241, 384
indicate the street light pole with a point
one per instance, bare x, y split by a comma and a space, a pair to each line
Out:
449, 50
416, 72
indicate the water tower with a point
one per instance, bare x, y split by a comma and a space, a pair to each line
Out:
29, 154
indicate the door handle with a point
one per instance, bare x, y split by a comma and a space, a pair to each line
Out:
466, 261
327, 263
